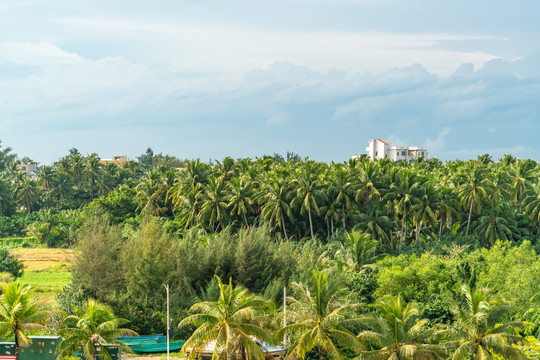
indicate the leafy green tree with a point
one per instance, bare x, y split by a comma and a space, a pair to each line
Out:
20, 313
232, 324
482, 329
99, 264
317, 317
10, 264
396, 333
89, 329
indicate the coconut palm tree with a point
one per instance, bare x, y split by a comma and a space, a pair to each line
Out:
344, 190
232, 324
473, 191
92, 171
27, 192
213, 204
405, 191
317, 316
240, 197
20, 312
396, 333
496, 224
359, 251
531, 202
426, 209
92, 326
481, 329
308, 195
274, 200
375, 222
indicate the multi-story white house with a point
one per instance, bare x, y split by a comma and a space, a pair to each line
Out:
380, 149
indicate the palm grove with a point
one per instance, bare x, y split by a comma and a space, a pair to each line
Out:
378, 242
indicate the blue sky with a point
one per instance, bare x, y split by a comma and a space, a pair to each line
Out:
209, 79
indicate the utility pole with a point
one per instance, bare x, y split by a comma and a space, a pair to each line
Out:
284, 317
168, 321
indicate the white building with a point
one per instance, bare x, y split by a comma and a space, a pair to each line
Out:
380, 149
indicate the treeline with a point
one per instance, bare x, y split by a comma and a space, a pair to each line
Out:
397, 203
127, 269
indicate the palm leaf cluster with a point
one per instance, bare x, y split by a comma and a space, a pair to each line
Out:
321, 319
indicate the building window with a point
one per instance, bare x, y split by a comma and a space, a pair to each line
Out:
376, 153
403, 153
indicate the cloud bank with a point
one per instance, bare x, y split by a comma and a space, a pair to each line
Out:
113, 104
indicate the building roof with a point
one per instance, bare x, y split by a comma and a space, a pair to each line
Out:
380, 140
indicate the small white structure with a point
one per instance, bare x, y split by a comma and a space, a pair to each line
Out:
380, 149
29, 169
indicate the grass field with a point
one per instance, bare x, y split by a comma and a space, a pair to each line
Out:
46, 270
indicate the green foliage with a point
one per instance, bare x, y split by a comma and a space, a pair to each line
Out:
18, 242
119, 205
91, 326
10, 264
20, 313
233, 322
98, 265
417, 278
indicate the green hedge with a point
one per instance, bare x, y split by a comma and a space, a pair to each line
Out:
15, 242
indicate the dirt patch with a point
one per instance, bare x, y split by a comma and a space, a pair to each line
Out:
43, 254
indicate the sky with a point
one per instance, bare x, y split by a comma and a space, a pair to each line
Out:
243, 78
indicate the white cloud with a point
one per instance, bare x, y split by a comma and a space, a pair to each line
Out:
36, 54
439, 143
231, 50
395, 140
278, 119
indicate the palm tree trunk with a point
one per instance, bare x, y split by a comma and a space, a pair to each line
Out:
283, 225
403, 227
419, 231
310, 223
17, 356
327, 228
440, 228
245, 219
344, 216
332, 224
320, 352
469, 219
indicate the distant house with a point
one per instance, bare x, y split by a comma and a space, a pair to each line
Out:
29, 169
380, 149
117, 159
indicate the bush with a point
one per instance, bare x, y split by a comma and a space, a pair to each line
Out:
10, 264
